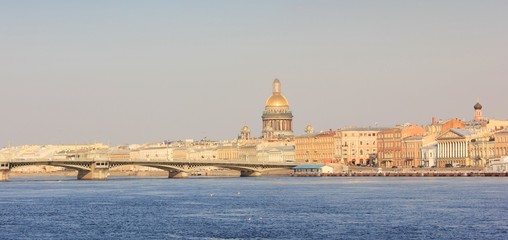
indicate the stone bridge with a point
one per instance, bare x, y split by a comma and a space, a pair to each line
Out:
92, 169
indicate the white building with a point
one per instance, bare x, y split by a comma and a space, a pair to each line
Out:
429, 155
316, 170
276, 154
498, 165
156, 153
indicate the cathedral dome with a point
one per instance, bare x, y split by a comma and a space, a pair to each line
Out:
277, 99
478, 106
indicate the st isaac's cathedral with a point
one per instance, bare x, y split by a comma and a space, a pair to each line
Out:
277, 118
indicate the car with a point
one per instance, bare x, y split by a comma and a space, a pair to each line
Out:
395, 167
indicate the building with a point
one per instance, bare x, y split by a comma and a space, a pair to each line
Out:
429, 148
275, 153
411, 154
429, 154
498, 165
357, 146
312, 170
156, 153
477, 144
247, 152
501, 143
480, 149
228, 151
316, 148
389, 144
454, 147
277, 118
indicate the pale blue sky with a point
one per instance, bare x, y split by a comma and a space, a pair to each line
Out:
139, 71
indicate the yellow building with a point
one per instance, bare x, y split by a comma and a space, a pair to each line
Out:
316, 148
228, 151
357, 146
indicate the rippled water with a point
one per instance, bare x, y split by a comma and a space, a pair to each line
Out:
255, 208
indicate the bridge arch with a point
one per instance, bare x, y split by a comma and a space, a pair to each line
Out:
154, 165
76, 167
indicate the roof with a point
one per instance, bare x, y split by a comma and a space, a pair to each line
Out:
413, 138
477, 106
308, 166
321, 134
503, 131
461, 131
374, 129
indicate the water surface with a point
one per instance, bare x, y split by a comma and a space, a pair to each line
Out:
255, 208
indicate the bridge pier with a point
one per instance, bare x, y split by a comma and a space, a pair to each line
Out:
98, 171
97, 174
176, 174
246, 173
4, 175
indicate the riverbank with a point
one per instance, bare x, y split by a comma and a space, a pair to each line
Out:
407, 174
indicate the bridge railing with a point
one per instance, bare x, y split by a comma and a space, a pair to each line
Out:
207, 161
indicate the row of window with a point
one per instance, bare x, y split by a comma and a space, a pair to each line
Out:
353, 152
390, 144
390, 135
362, 134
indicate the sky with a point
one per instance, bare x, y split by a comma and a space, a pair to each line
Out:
119, 72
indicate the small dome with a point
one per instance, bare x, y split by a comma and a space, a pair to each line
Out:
478, 106
309, 129
245, 129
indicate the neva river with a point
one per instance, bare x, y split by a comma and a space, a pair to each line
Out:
255, 208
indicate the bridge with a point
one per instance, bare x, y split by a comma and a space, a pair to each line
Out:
93, 169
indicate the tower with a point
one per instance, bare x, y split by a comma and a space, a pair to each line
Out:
309, 129
277, 118
245, 133
478, 117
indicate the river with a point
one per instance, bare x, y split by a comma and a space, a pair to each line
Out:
254, 208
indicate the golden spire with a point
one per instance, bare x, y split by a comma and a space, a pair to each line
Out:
276, 86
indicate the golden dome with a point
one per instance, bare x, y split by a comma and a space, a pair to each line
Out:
277, 100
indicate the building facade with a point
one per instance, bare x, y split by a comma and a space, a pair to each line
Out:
389, 143
357, 146
316, 148
454, 147
501, 143
411, 154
